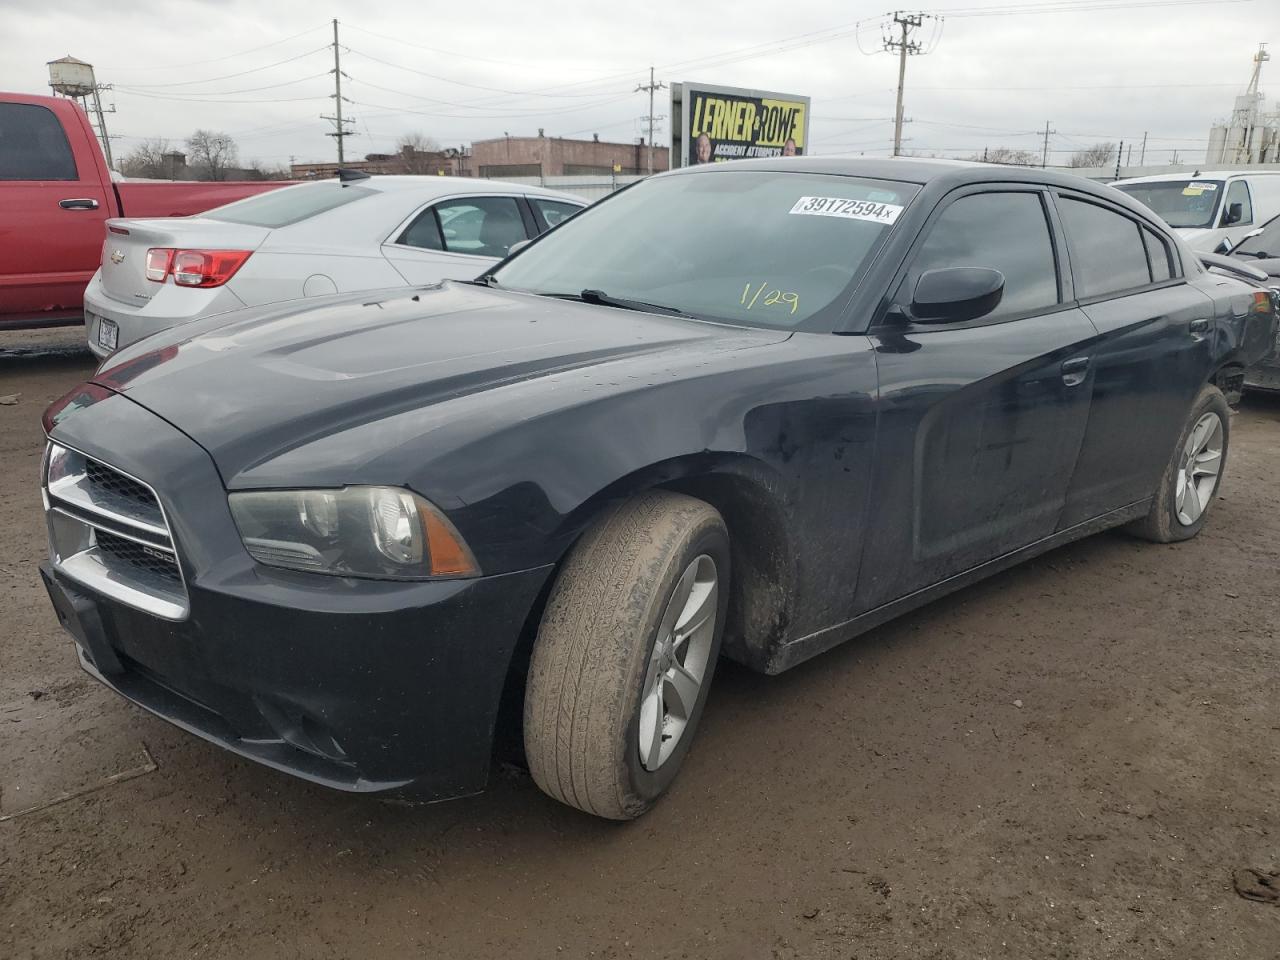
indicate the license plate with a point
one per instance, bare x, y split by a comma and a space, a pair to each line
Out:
108, 334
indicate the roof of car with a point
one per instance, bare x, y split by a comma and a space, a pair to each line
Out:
905, 169
441, 185
1200, 175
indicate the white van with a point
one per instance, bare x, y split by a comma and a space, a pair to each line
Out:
1213, 210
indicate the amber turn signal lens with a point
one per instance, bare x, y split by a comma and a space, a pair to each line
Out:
449, 555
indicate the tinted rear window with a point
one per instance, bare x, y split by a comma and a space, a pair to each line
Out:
33, 145
1107, 251
288, 205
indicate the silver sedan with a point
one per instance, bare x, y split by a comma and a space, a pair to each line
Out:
307, 240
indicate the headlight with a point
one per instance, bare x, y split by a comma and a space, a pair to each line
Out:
382, 532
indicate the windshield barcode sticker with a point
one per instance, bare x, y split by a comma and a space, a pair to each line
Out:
849, 209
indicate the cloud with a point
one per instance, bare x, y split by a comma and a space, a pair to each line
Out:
465, 72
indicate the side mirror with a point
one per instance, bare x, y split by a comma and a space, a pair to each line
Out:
956, 294
517, 246
1223, 247
1234, 214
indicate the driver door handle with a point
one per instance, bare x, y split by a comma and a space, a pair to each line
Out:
78, 203
1075, 370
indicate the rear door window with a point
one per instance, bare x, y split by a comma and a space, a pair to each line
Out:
1000, 231
552, 212
481, 226
289, 205
424, 232
1159, 255
1108, 254
33, 145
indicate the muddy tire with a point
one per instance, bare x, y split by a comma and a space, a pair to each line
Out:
1191, 480
635, 617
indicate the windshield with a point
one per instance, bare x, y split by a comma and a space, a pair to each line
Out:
280, 208
749, 247
1265, 241
1181, 203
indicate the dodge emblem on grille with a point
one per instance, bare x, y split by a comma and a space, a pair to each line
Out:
117, 256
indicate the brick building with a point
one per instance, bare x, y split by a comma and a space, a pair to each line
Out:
450, 162
543, 156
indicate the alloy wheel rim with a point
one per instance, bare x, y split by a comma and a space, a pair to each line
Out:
1199, 468
678, 661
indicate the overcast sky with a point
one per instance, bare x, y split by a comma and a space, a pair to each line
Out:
571, 67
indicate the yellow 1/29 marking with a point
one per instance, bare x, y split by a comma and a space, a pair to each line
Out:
775, 297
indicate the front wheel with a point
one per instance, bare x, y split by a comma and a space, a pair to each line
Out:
1190, 482
625, 654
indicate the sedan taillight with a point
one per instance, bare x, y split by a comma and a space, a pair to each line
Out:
159, 259
194, 268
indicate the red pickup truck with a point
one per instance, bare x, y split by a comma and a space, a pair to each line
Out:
55, 193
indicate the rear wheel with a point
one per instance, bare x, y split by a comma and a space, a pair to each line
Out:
625, 655
1191, 480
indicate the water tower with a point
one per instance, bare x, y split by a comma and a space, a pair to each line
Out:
74, 78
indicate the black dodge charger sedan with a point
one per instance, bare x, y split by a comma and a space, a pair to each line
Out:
752, 409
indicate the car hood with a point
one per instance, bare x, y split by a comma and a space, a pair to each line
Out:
1197, 237
252, 385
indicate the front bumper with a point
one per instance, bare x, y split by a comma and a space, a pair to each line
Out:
362, 685
363, 700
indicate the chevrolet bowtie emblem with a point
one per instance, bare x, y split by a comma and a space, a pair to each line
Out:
117, 256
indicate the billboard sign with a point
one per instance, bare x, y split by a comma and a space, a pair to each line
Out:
712, 124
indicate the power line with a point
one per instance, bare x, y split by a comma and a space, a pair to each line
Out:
227, 93
361, 81
1073, 6
229, 76
462, 83
438, 50
496, 116
197, 99
230, 56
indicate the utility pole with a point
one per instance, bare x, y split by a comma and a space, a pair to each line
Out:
906, 47
1142, 157
340, 131
1119, 154
652, 87
102, 121
1044, 157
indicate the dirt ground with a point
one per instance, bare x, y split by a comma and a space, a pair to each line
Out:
1069, 760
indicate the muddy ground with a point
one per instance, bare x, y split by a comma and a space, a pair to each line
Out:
1069, 760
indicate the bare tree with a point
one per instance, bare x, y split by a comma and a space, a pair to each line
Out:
1008, 156
418, 152
1099, 155
147, 159
211, 154
259, 170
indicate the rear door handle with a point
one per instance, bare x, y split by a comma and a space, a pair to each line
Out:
1075, 370
79, 203
1199, 328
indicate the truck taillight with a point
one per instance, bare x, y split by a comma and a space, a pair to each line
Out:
158, 261
194, 268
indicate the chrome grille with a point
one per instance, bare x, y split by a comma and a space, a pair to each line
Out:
140, 555
118, 486
108, 531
